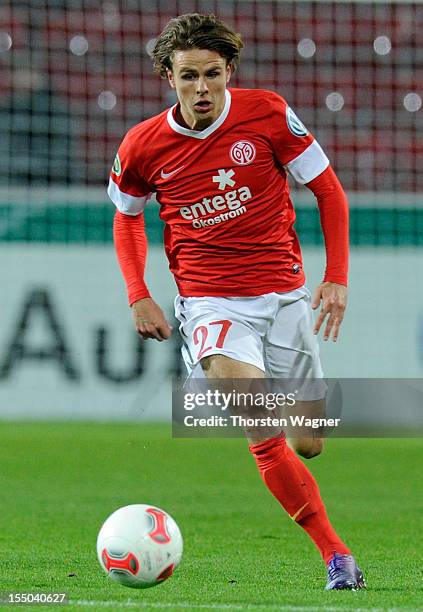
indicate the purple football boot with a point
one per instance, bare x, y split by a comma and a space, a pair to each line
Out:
344, 573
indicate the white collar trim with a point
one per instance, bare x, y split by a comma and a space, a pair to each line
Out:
201, 134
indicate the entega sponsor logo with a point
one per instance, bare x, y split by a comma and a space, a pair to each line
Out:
231, 201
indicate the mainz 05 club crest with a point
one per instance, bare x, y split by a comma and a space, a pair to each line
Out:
243, 152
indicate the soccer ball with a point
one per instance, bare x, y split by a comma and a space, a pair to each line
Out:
139, 546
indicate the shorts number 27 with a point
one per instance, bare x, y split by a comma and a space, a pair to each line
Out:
201, 332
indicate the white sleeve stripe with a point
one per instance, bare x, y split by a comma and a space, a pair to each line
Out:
124, 202
309, 164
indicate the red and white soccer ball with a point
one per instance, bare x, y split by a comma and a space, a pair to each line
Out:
139, 546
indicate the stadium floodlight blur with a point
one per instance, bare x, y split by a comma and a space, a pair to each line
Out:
76, 74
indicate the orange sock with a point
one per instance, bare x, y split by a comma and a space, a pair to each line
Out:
294, 487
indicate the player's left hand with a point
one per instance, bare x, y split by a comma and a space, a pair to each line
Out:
333, 298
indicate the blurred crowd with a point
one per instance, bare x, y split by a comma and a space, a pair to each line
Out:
76, 74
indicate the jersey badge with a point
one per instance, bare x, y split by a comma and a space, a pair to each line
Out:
295, 126
117, 168
243, 152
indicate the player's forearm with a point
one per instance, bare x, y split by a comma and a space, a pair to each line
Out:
131, 249
334, 218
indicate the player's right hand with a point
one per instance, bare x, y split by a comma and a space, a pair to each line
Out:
150, 321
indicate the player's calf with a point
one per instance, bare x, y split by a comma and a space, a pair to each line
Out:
305, 440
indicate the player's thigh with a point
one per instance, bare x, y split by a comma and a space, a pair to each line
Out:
221, 366
225, 336
243, 380
233, 376
213, 326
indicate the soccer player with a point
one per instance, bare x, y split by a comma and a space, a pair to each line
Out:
218, 162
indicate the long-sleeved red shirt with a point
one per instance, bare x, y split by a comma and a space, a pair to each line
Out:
131, 242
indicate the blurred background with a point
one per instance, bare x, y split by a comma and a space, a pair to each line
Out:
76, 75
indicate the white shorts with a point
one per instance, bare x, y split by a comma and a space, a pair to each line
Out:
273, 332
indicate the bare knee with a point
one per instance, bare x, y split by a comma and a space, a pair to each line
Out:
307, 447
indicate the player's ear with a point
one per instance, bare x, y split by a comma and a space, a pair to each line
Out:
228, 73
170, 78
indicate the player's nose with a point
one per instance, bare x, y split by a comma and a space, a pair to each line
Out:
202, 86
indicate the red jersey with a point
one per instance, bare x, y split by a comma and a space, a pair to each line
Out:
223, 193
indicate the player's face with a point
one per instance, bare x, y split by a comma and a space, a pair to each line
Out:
199, 77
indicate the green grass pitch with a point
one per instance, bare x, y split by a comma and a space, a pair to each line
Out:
60, 481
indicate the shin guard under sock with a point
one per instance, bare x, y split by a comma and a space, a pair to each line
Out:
293, 485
